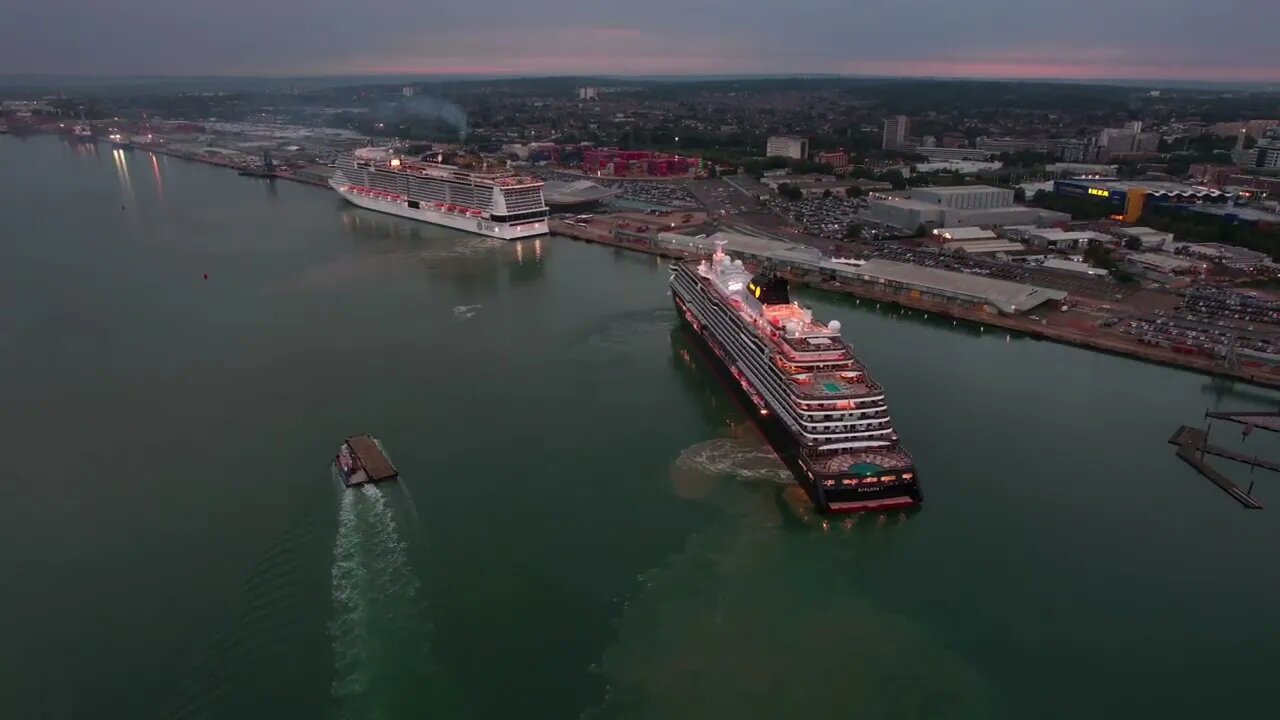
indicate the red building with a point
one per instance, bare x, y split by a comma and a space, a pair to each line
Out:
834, 158
635, 163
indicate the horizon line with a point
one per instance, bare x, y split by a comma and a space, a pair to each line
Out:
482, 76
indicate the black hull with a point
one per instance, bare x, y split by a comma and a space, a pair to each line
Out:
787, 446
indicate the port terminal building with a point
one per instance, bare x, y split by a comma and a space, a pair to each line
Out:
874, 278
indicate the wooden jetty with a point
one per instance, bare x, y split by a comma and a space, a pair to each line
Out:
1193, 445
373, 465
1262, 420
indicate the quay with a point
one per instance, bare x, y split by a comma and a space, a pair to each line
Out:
374, 466
306, 177
1193, 445
803, 266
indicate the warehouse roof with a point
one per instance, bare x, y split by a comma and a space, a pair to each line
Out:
964, 233
1008, 297
578, 191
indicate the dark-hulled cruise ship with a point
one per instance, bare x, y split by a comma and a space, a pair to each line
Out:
824, 414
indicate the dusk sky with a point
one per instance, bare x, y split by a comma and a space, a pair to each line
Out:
1234, 40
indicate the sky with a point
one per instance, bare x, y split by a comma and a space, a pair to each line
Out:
1228, 40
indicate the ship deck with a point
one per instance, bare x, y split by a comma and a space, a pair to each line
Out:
824, 385
375, 463
888, 459
831, 386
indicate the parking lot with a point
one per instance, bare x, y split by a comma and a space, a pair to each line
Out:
1223, 306
1182, 333
721, 198
823, 217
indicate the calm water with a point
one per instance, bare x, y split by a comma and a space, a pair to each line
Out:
587, 526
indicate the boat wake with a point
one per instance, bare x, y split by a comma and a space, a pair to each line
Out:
465, 311
462, 246
700, 467
379, 637
735, 458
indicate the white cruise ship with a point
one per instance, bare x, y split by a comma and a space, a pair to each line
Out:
482, 199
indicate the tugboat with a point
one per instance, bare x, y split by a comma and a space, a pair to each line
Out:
361, 460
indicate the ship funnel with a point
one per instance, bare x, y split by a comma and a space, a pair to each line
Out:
808, 315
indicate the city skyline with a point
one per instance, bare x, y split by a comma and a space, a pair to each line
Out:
1176, 40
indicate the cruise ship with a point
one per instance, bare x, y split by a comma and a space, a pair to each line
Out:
474, 197
820, 409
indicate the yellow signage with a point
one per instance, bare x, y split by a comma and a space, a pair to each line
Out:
755, 289
1100, 191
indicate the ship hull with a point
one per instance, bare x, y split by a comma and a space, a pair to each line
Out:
477, 226
787, 446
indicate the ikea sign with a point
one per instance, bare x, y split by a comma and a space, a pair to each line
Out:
1100, 192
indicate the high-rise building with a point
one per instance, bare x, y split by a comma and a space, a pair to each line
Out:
1126, 140
1266, 155
787, 146
407, 91
895, 132
589, 93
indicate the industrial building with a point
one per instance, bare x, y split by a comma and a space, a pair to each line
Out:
992, 247
945, 153
965, 197
787, 146
1234, 257
1166, 263
1150, 238
964, 233
912, 282
1066, 239
959, 167
894, 135
1010, 145
910, 213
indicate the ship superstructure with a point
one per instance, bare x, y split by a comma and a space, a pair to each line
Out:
478, 198
817, 404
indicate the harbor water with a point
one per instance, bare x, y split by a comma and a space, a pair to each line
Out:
587, 524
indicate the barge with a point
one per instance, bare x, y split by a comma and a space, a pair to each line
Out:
361, 460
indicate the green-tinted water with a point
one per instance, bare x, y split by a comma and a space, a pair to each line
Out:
587, 524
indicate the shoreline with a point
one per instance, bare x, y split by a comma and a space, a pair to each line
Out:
1030, 328
1025, 326
162, 150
